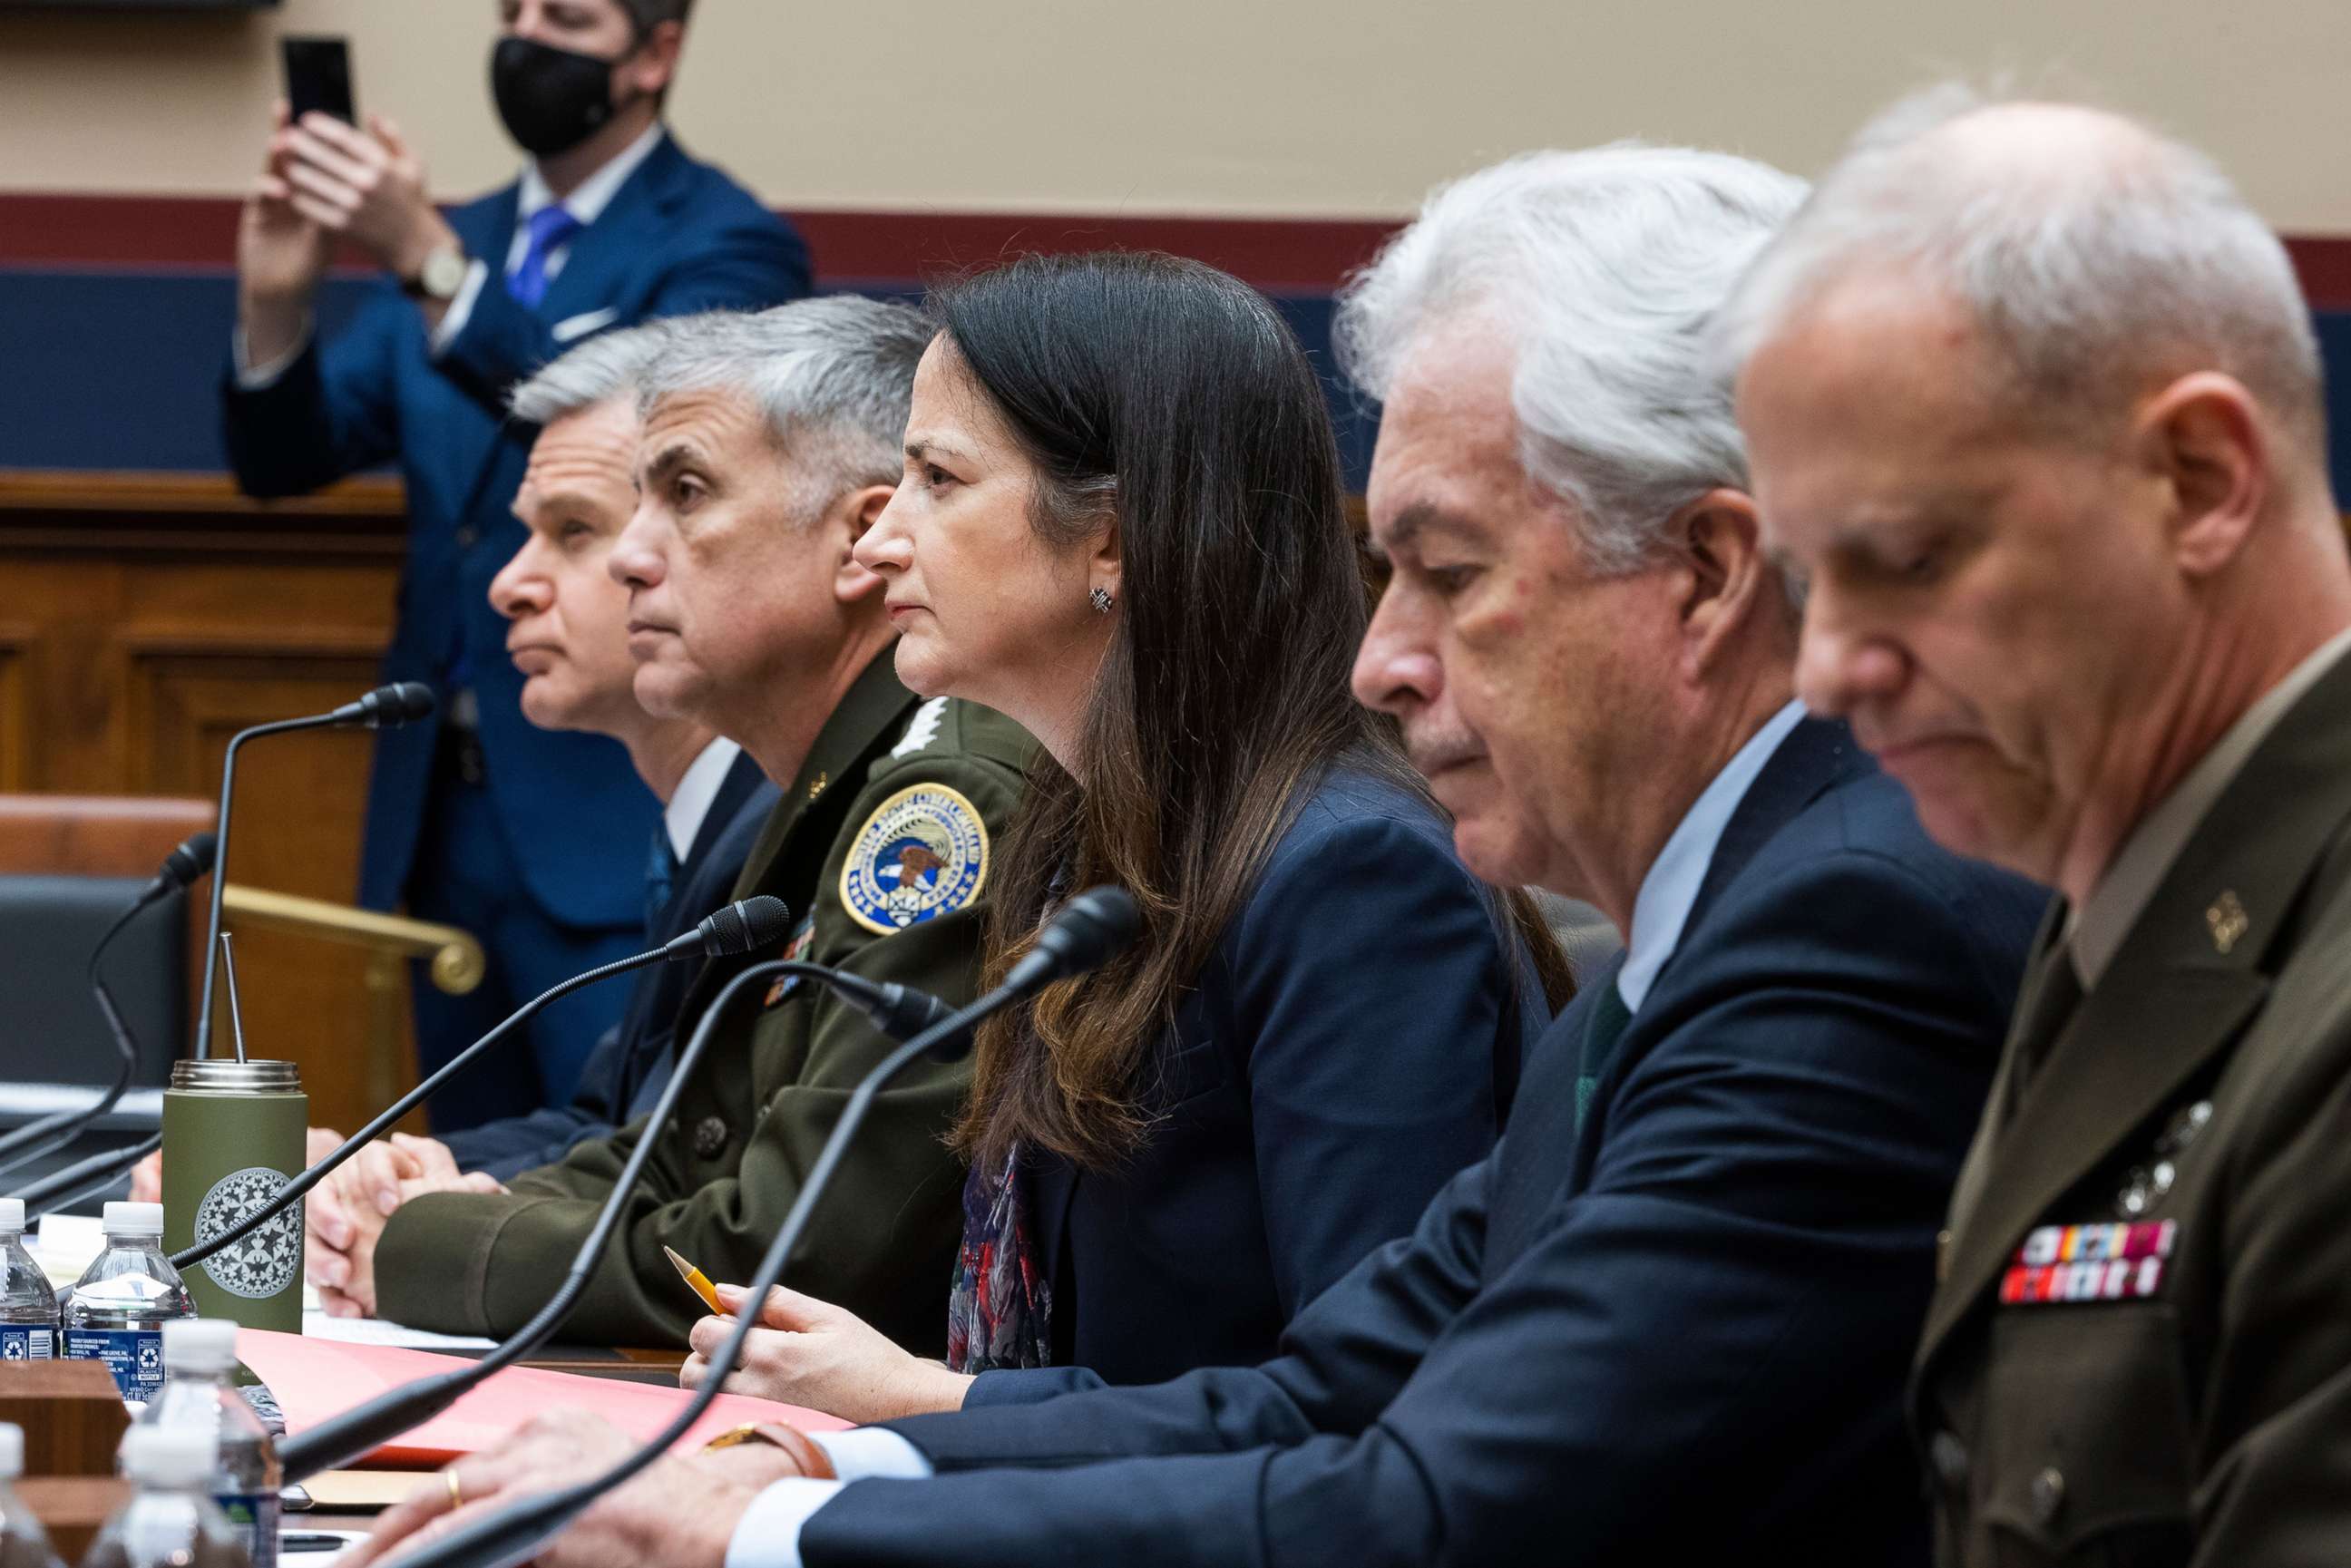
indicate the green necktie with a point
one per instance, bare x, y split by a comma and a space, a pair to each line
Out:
1602, 1029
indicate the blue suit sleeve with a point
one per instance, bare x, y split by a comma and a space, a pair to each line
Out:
747, 266
1728, 1304
332, 414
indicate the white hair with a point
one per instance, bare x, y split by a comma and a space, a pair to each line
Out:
2096, 257
603, 368
831, 377
1603, 269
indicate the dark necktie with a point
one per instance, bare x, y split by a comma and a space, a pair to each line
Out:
661, 884
550, 228
1602, 1026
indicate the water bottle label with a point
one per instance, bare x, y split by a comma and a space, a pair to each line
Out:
27, 1343
253, 1517
135, 1356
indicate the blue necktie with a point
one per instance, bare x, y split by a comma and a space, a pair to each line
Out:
550, 227
661, 883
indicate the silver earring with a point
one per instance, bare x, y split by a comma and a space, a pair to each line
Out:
1100, 600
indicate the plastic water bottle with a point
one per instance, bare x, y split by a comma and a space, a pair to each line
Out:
200, 1394
122, 1301
170, 1522
23, 1543
28, 1307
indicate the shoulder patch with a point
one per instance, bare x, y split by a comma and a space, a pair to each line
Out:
923, 729
923, 853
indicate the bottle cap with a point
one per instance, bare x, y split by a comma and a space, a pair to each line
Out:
198, 1342
12, 1214
169, 1456
12, 1451
133, 1218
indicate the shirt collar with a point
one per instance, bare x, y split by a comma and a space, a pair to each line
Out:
690, 802
596, 192
1663, 905
2104, 919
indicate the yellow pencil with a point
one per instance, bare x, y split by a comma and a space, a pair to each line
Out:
695, 1281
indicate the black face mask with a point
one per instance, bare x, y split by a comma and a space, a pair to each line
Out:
551, 99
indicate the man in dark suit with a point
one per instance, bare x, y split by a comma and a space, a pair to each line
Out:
524, 836
1668, 1321
2083, 589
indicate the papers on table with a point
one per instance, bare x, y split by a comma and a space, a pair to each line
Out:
317, 1325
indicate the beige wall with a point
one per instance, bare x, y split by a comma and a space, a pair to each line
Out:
1288, 107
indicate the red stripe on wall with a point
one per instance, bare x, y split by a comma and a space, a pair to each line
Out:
1284, 254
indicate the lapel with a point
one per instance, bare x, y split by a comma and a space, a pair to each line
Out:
604, 254
1817, 754
792, 847
743, 780
1543, 1158
1052, 1187
2175, 995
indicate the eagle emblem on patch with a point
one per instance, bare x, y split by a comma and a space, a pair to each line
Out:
923, 853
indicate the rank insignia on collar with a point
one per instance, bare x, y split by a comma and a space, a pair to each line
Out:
794, 949
2227, 921
2062, 1263
923, 853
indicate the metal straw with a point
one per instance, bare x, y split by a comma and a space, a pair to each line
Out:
235, 1014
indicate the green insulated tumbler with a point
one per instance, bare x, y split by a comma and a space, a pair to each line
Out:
233, 1135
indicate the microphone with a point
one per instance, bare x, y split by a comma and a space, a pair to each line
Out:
190, 860
901, 1012
383, 708
1080, 938
738, 928
77, 1181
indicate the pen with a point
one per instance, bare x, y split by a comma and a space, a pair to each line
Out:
695, 1281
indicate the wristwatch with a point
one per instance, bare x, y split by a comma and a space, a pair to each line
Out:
443, 273
813, 1460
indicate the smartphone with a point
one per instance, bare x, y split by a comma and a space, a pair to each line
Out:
318, 77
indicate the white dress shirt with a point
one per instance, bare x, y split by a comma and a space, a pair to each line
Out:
587, 203
770, 1533
689, 803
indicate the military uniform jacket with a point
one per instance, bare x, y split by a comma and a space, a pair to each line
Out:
2140, 1353
891, 820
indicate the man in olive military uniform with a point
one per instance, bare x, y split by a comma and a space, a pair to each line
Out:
2033, 397
771, 442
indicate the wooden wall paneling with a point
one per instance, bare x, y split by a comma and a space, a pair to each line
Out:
143, 621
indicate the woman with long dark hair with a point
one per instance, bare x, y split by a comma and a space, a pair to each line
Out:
1122, 523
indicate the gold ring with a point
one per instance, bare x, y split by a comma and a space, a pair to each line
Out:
456, 1501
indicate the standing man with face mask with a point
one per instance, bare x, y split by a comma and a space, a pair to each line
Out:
528, 838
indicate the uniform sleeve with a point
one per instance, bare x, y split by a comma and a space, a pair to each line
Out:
749, 264
881, 1242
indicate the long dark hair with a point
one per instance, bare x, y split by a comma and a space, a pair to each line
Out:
1170, 397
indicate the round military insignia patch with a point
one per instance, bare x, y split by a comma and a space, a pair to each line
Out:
264, 1263
923, 853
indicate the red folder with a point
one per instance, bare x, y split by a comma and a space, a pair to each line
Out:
317, 1378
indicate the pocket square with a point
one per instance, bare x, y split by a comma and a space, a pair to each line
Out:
587, 321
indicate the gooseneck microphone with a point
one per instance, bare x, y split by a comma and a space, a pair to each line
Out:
386, 707
181, 868
1086, 931
899, 1012
738, 928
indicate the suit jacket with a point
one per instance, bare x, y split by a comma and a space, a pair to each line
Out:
678, 236
2195, 1410
1353, 1041
630, 1066
1675, 1335
771, 1086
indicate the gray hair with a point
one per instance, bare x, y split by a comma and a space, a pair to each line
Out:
1605, 269
604, 367
2096, 255
831, 377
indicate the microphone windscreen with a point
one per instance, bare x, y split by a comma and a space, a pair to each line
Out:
405, 702
190, 860
746, 927
1096, 924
